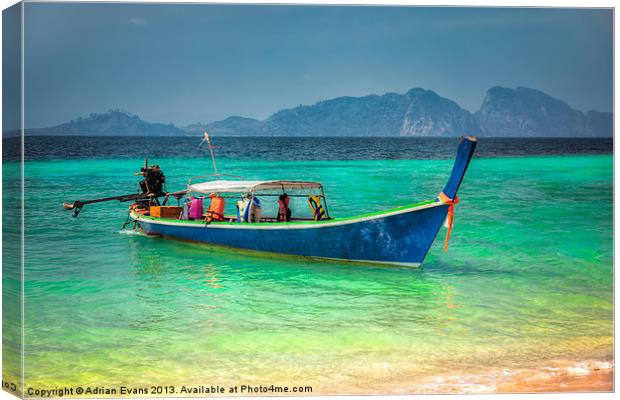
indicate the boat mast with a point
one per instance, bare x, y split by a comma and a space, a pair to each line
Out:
211, 150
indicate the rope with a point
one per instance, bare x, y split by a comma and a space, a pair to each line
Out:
450, 218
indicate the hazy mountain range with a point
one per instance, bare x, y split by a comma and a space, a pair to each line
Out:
504, 112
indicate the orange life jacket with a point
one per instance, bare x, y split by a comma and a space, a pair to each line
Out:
216, 209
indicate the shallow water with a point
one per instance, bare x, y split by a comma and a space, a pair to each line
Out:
526, 283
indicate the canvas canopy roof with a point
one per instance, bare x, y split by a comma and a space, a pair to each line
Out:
221, 186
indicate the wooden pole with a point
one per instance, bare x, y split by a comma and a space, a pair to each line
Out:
212, 155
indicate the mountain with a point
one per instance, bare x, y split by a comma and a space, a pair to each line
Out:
342, 116
111, 123
504, 112
431, 115
233, 126
418, 112
599, 123
530, 112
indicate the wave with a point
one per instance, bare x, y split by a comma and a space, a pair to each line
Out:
561, 376
131, 232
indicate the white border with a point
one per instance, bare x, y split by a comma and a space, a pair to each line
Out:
478, 3
23, 169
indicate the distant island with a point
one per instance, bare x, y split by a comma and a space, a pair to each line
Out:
505, 112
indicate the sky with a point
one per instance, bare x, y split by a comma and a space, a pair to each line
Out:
188, 63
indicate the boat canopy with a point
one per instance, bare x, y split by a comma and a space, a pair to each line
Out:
224, 186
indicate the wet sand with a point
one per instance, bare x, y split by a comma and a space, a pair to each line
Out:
560, 376
596, 381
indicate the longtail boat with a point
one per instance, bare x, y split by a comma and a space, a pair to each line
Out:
398, 236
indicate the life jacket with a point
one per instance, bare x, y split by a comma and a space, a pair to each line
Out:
284, 213
195, 208
216, 209
314, 202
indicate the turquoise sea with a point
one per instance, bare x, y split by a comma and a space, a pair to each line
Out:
525, 289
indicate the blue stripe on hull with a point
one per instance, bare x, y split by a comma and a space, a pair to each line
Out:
402, 238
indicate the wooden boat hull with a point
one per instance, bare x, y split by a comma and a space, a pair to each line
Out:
401, 236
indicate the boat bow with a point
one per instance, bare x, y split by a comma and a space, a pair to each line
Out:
465, 152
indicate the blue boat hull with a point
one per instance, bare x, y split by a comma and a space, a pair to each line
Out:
402, 238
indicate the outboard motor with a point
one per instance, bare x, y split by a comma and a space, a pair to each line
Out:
153, 181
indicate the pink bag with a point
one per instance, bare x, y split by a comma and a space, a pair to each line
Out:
195, 208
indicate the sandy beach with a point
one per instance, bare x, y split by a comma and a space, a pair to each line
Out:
585, 376
560, 376
596, 381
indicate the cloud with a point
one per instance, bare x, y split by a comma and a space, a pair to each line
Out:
137, 21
